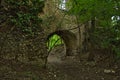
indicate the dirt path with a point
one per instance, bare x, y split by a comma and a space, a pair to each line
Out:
59, 68
73, 69
69, 68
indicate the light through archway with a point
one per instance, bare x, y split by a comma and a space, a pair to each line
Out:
62, 42
54, 40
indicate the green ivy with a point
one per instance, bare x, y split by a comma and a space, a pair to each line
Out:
24, 14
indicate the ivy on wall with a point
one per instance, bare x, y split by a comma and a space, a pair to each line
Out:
23, 14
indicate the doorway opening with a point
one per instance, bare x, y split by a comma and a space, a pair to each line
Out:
61, 44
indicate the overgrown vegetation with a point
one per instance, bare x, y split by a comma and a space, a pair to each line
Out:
105, 21
23, 14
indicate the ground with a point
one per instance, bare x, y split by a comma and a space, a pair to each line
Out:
59, 68
74, 69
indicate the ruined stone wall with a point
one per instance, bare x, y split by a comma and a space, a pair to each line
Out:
33, 49
19, 47
28, 49
58, 20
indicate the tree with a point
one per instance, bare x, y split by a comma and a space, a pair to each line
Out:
104, 16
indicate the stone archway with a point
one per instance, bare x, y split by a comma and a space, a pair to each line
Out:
70, 40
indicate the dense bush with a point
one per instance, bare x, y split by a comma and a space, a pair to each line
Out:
105, 21
23, 14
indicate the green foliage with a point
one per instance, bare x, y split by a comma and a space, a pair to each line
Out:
53, 41
24, 14
86, 9
108, 37
106, 34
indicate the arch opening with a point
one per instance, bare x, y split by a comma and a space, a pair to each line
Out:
62, 42
53, 41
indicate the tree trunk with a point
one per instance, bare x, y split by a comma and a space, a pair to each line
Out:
90, 40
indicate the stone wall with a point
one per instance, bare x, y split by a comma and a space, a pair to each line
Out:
29, 49
26, 49
58, 20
